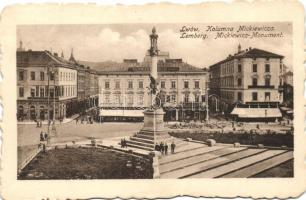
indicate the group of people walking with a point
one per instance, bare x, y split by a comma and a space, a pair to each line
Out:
163, 147
123, 143
84, 119
43, 136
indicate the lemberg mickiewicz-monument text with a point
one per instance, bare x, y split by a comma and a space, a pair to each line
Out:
219, 32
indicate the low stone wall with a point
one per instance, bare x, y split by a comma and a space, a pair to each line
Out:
29, 159
268, 139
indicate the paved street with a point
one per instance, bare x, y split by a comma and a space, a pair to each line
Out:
29, 134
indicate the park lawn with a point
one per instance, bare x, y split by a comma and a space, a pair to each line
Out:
85, 163
283, 170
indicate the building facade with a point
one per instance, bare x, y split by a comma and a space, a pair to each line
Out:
124, 89
45, 82
250, 78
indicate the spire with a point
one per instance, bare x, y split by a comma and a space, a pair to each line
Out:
62, 54
239, 48
72, 59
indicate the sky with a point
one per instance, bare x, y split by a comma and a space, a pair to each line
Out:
115, 42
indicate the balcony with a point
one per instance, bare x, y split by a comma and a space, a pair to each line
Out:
43, 98
261, 87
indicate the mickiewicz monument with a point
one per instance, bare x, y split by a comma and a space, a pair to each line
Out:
152, 131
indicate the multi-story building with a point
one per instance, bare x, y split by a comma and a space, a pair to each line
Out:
124, 94
91, 88
45, 82
81, 89
250, 80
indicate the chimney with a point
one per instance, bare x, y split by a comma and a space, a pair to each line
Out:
55, 54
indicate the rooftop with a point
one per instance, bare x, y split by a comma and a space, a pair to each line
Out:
250, 53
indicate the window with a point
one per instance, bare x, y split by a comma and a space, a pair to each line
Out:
42, 76
186, 84
197, 98
107, 100
239, 67
267, 82
32, 92
46, 91
254, 96
21, 92
140, 100
254, 81
140, 84
267, 68
267, 96
173, 98
130, 99
186, 98
21, 75
51, 76
117, 99
239, 81
37, 91
239, 96
162, 98
130, 85
173, 84
162, 84
254, 67
42, 92
33, 76
51, 92
62, 90
117, 85
197, 84
106, 85
203, 98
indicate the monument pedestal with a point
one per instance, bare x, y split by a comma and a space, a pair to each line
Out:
152, 132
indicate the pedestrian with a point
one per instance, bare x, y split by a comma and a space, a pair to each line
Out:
172, 147
41, 136
161, 146
45, 136
40, 123
156, 147
37, 123
82, 120
122, 143
77, 120
166, 148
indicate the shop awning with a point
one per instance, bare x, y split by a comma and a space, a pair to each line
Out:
121, 113
256, 112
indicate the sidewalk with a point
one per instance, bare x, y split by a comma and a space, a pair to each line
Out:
66, 120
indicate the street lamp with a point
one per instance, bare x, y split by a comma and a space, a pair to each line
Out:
50, 71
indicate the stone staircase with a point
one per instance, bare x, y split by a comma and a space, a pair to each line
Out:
145, 140
202, 161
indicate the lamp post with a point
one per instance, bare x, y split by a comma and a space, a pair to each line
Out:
50, 71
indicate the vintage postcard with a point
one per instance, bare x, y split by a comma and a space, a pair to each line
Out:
153, 101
